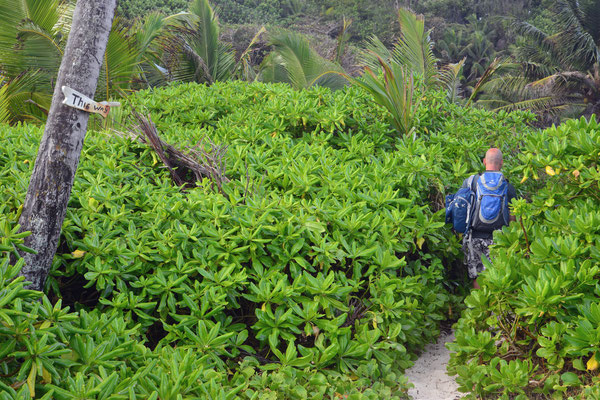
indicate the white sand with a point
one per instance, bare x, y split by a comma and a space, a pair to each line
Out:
429, 373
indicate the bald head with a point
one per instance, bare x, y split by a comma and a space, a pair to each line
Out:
493, 159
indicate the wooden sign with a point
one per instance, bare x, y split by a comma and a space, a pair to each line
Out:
77, 100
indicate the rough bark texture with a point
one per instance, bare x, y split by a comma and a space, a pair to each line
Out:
58, 156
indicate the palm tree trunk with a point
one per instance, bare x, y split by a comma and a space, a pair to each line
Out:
58, 156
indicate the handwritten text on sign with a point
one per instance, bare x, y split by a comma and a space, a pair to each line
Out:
77, 100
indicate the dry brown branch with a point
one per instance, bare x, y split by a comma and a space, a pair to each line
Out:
198, 162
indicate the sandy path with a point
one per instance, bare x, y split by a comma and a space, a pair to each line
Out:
429, 373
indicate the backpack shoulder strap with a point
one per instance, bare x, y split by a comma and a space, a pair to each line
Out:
472, 182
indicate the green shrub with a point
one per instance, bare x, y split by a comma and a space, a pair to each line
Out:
533, 328
322, 268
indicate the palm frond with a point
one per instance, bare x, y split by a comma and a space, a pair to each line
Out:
591, 21
450, 79
39, 48
545, 104
541, 47
485, 77
149, 30
569, 13
120, 63
272, 69
415, 48
243, 67
192, 48
4, 114
11, 15
206, 26
576, 42
507, 87
342, 38
62, 26
28, 39
294, 62
373, 50
43, 13
551, 82
394, 91
23, 100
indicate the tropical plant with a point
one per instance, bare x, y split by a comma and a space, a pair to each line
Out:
3, 104
320, 268
342, 40
294, 62
244, 70
413, 50
450, 76
395, 91
32, 40
411, 58
562, 68
193, 51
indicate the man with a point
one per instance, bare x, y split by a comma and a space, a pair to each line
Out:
476, 243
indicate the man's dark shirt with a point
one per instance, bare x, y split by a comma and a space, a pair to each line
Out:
511, 193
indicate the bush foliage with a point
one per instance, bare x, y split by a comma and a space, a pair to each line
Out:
533, 328
320, 270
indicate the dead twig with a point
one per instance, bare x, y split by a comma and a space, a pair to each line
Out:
198, 161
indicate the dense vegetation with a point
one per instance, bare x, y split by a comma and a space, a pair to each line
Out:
533, 328
321, 267
539, 55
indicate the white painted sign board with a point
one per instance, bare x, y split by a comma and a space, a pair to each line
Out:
77, 100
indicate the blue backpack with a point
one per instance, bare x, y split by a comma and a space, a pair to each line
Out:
459, 207
491, 204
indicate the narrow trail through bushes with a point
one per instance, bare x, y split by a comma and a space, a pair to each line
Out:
429, 373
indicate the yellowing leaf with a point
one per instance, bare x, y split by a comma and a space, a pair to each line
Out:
47, 378
550, 170
374, 323
46, 324
264, 307
420, 242
592, 364
525, 177
31, 380
26, 162
78, 253
92, 202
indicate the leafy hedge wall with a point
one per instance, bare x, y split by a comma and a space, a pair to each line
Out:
319, 272
533, 329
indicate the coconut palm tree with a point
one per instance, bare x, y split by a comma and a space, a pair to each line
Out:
193, 51
411, 59
294, 62
413, 50
560, 70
